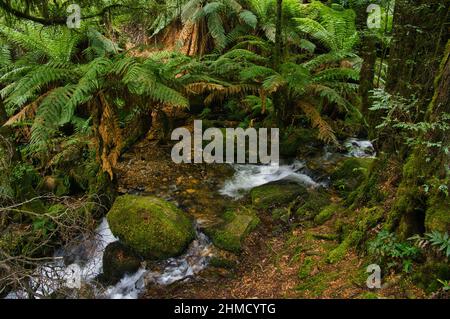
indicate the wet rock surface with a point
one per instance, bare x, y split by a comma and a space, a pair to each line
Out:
118, 261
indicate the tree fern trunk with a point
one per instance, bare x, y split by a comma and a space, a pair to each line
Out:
368, 52
278, 36
369, 55
279, 98
3, 115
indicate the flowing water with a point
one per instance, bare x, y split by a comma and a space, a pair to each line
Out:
87, 258
359, 148
53, 276
248, 177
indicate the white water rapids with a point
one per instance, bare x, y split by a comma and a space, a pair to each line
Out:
248, 177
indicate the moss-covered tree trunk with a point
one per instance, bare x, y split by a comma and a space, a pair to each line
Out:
397, 179
422, 203
417, 49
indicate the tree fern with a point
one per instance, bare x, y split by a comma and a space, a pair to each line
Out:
333, 29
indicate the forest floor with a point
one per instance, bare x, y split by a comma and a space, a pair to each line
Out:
288, 265
276, 261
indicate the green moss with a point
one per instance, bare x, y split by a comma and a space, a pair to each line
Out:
427, 275
326, 214
276, 194
339, 252
314, 286
306, 268
330, 237
369, 192
315, 202
237, 225
13, 241
437, 216
350, 174
154, 228
368, 295
355, 233
281, 214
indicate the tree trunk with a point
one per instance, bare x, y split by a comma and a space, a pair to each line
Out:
279, 97
369, 55
368, 52
420, 205
278, 36
3, 115
416, 51
417, 45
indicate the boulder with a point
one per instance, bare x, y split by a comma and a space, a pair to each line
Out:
350, 173
154, 228
236, 226
276, 194
118, 261
316, 201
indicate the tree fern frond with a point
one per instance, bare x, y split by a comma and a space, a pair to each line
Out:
255, 73
327, 58
318, 32
215, 27
273, 83
336, 74
249, 18
326, 133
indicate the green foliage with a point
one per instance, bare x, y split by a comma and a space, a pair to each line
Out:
403, 118
437, 240
390, 252
53, 90
310, 84
214, 14
333, 29
445, 284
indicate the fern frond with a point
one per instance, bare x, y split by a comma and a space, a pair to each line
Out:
326, 133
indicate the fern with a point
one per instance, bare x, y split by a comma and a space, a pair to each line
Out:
326, 133
333, 29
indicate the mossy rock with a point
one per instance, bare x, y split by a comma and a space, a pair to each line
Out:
316, 201
276, 194
355, 233
154, 228
326, 214
235, 228
350, 173
118, 261
339, 252
281, 214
